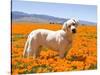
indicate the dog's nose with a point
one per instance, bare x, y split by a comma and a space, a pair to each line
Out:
73, 30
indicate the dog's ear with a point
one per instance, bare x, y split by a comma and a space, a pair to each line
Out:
76, 21
64, 26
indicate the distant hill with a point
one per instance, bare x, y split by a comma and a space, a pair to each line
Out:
25, 17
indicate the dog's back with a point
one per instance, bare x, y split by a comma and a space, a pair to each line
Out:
39, 33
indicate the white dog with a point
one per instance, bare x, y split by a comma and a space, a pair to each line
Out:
60, 40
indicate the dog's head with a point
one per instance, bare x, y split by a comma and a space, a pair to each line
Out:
70, 25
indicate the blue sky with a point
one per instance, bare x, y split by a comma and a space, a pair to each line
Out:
83, 12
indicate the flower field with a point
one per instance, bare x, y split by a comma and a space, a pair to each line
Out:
82, 55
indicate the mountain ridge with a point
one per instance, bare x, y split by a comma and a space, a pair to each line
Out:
25, 17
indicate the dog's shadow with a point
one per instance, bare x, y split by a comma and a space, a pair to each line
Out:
76, 58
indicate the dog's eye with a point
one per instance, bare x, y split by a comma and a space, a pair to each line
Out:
74, 24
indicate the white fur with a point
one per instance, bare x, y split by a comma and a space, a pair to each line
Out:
60, 40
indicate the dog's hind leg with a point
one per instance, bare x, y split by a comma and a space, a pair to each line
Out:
36, 51
25, 48
35, 48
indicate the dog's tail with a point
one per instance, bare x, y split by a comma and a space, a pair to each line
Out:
25, 48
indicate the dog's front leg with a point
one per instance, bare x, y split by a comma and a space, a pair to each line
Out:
64, 51
67, 49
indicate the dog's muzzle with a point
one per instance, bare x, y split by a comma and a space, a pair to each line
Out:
73, 30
